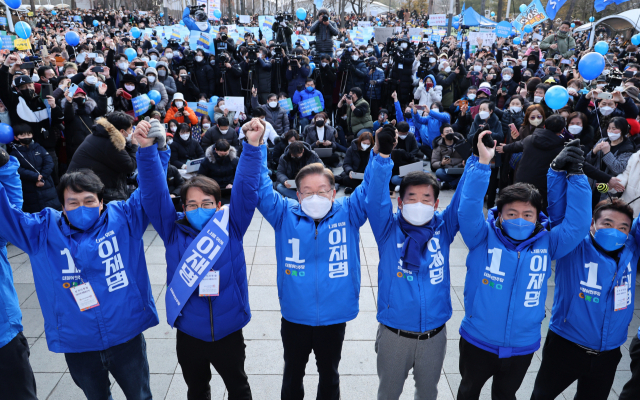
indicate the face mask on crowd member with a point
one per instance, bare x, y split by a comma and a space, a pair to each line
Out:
607, 106
611, 224
575, 126
471, 94
538, 95
515, 106
535, 118
485, 110
310, 86
418, 198
564, 30
315, 190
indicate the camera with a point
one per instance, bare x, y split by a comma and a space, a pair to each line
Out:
224, 37
198, 12
325, 18
614, 79
348, 97
281, 16
173, 44
252, 53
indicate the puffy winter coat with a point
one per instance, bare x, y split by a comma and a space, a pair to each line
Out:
231, 85
34, 160
428, 97
213, 134
191, 119
188, 88
353, 160
107, 153
79, 120
205, 318
506, 284
288, 167
204, 76
324, 35
185, 150
433, 121
220, 169
630, 178
440, 149
402, 76
277, 117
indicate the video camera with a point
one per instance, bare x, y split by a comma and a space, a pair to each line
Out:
252, 53
282, 16
614, 79
173, 44
198, 12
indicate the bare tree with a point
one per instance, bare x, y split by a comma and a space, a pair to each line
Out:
360, 6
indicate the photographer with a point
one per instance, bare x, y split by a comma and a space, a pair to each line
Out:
354, 71
373, 95
227, 76
358, 113
324, 30
325, 77
283, 29
297, 72
185, 85
223, 43
402, 72
204, 74
257, 71
609, 105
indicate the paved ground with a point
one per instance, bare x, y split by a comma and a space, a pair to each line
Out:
264, 348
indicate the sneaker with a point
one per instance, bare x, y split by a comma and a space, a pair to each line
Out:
348, 190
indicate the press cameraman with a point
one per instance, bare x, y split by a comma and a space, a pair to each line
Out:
223, 42
228, 75
402, 71
283, 29
325, 78
324, 30
256, 72
279, 62
354, 70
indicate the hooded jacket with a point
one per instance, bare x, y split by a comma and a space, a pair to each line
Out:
34, 160
184, 150
79, 120
288, 167
220, 169
167, 80
213, 134
157, 85
353, 160
318, 271
205, 318
433, 122
583, 307
566, 45
506, 284
277, 117
108, 154
191, 119
428, 97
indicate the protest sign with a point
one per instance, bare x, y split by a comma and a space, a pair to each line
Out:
286, 104
202, 108
234, 103
3, 20
308, 106
437, 19
201, 40
140, 104
22, 44
503, 29
488, 38
533, 15
7, 42
244, 19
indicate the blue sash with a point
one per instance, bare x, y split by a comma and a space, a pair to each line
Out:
197, 261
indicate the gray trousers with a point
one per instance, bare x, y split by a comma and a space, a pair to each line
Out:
397, 355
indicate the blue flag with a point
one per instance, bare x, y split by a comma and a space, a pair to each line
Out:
553, 6
620, 1
600, 5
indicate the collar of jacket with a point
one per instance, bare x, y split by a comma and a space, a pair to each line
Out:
542, 226
105, 129
211, 155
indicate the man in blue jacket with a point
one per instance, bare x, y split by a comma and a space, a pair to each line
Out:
91, 278
593, 302
18, 381
209, 318
508, 265
309, 92
317, 250
414, 296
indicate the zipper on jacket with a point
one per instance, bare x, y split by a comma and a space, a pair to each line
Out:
317, 296
211, 320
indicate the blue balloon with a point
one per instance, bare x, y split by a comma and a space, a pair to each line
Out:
301, 13
635, 39
591, 19
456, 18
517, 40
213, 99
161, 15
456, 25
23, 30
217, 13
312, 66
493, 14
6, 133
573, 25
152, 63
523, 8
13, 4
54, 12
72, 38
96, 23
528, 28
556, 97
377, 19
155, 96
135, 32
237, 16
130, 53
601, 47
591, 65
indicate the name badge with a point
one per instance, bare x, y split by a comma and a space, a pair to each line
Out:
210, 284
620, 298
85, 297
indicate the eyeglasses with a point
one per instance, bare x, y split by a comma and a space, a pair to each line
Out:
208, 205
322, 193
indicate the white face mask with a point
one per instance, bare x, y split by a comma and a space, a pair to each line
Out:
324, 64
91, 80
179, 104
223, 107
184, 136
145, 59
123, 66
365, 146
432, 60
224, 131
471, 96
273, 104
384, 65
574, 129
417, 214
199, 58
173, 128
151, 79
35, 78
130, 88
206, 126
403, 137
169, 55
71, 76
506, 78
613, 136
153, 57
484, 114
477, 68
516, 109
316, 206
606, 110
162, 72
100, 60
537, 99
354, 58
535, 122
447, 70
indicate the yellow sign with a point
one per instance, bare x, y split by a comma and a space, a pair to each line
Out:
30, 13
22, 44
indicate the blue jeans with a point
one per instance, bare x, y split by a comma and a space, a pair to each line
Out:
127, 363
396, 180
452, 180
286, 192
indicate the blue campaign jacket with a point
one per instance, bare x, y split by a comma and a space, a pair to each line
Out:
205, 318
10, 315
505, 287
109, 255
415, 301
303, 95
583, 309
433, 121
318, 267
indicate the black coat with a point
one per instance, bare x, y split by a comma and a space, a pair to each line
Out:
205, 77
325, 78
174, 180
79, 120
288, 167
355, 160
34, 160
188, 88
231, 85
183, 151
220, 169
213, 134
403, 76
107, 153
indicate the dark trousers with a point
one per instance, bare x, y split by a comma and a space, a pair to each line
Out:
352, 183
426, 150
631, 389
227, 356
127, 363
563, 362
326, 343
477, 366
17, 381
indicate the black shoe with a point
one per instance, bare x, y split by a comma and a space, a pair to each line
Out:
348, 190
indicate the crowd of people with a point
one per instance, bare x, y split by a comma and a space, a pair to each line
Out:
86, 174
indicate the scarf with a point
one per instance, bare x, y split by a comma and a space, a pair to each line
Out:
416, 237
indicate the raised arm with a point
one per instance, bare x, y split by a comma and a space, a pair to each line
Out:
450, 214
271, 204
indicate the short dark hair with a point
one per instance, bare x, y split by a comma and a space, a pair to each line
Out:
296, 148
402, 126
20, 129
184, 128
258, 112
614, 205
270, 95
223, 121
315, 168
490, 104
566, 23
222, 145
520, 191
437, 104
42, 70
357, 91
82, 180
120, 120
207, 185
291, 133
445, 125
418, 178
310, 80
556, 123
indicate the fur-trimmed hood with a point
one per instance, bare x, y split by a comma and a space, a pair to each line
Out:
210, 154
106, 129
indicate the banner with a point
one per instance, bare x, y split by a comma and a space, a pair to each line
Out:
381, 34
7, 42
286, 104
140, 104
234, 103
244, 19
201, 40
308, 106
488, 38
364, 24
202, 109
533, 15
438, 20
22, 44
